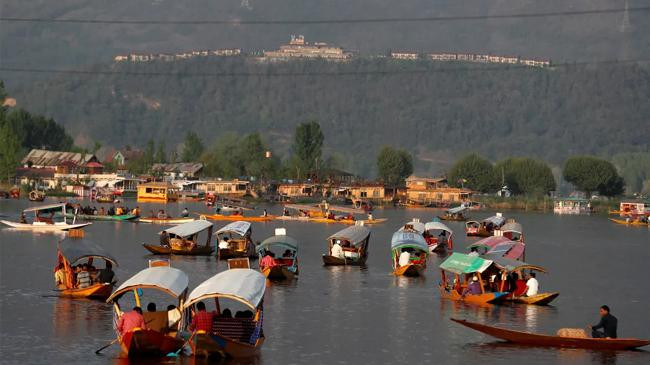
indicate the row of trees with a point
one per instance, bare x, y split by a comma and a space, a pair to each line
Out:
527, 176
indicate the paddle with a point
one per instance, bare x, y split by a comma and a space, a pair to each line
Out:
175, 354
100, 350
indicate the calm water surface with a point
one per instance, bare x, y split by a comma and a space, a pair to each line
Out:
346, 315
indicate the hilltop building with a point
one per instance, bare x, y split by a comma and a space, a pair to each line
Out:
299, 48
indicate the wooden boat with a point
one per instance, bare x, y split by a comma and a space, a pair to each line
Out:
121, 217
486, 227
539, 299
46, 224
630, 222
533, 339
237, 217
633, 208
171, 220
511, 230
157, 192
36, 196
438, 236
159, 338
72, 250
347, 221
105, 198
354, 246
235, 241
285, 248
183, 240
464, 266
231, 337
455, 214
409, 253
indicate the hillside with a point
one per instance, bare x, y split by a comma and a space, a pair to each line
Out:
435, 110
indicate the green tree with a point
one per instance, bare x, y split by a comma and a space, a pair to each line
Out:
591, 174
149, 153
474, 172
635, 170
526, 176
160, 156
192, 148
9, 151
307, 146
221, 159
394, 165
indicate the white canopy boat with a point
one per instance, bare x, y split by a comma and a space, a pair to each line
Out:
46, 224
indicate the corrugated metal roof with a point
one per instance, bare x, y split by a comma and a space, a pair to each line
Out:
184, 167
37, 157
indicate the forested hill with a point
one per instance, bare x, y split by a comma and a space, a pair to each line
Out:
435, 110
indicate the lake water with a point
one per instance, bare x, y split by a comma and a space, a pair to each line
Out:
346, 315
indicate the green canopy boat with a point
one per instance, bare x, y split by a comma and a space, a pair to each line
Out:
122, 217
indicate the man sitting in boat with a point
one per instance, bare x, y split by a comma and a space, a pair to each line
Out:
106, 275
202, 320
59, 276
23, 219
164, 239
131, 320
405, 256
83, 277
337, 250
288, 254
185, 213
473, 288
268, 260
532, 286
607, 322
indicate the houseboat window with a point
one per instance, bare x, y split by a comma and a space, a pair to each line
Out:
307, 190
439, 196
241, 187
375, 194
364, 194
148, 190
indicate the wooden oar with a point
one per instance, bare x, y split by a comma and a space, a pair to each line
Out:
112, 342
175, 354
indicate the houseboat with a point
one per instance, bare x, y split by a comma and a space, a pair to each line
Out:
571, 206
633, 208
157, 192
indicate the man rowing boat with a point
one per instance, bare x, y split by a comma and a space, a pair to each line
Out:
607, 322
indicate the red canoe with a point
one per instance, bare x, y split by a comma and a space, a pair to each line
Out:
533, 339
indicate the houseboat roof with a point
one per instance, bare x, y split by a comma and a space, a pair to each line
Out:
168, 279
157, 184
189, 229
55, 158
243, 285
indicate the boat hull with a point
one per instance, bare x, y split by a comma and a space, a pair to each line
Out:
221, 217
148, 343
166, 220
123, 217
278, 273
410, 270
332, 260
533, 339
630, 223
443, 218
539, 299
485, 298
209, 345
95, 291
44, 227
197, 251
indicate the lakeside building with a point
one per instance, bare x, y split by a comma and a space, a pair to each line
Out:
179, 169
428, 191
233, 188
299, 48
297, 190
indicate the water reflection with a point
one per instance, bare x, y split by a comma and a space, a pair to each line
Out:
74, 318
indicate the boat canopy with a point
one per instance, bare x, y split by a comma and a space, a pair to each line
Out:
402, 239
511, 265
355, 234
511, 250
46, 207
239, 227
168, 279
457, 210
416, 225
336, 208
437, 225
279, 240
243, 285
459, 263
489, 242
75, 249
189, 229
306, 207
512, 227
497, 220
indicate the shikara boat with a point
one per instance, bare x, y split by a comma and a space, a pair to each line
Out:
237, 217
463, 266
171, 220
72, 250
283, 263
409, 253
455, 214
511, 230
235, 241
534, 339
230, 337
105, 198
414, 226
158, 339
486, 227
631, 222
89, 217
501, 246
184, 240
36, 196
507, 265
438, 236
347, 221
353, 242
46, 224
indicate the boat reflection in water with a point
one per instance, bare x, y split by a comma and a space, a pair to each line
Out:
76, 317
